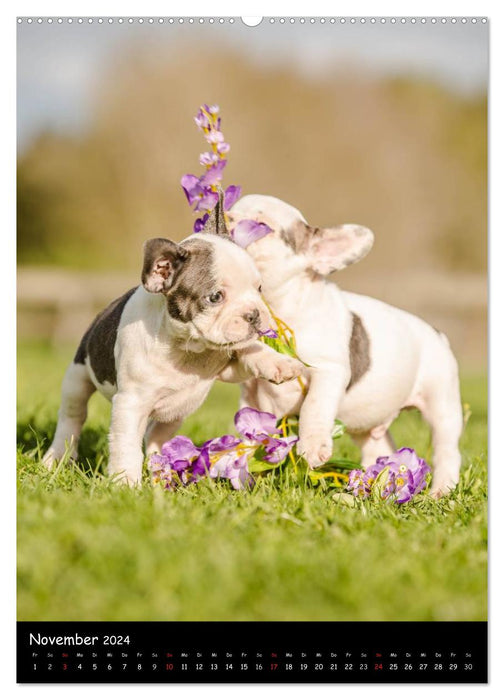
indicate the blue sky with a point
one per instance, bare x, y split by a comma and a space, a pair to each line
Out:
60, 65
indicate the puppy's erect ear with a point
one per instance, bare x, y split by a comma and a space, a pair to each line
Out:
163, 260
330, 249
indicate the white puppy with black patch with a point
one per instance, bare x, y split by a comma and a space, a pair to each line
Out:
368, 360
157, 350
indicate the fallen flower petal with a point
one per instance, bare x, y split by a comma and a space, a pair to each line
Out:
248, 231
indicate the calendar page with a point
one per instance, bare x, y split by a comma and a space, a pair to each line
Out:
252, 349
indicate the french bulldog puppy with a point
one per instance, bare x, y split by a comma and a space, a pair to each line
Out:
367, 360
157, 350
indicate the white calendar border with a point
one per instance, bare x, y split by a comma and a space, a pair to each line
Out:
7, 361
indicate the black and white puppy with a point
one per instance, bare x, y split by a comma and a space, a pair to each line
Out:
367, 360
157, 350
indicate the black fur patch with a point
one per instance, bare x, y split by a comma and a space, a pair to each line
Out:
99, 340
195, 281
360, 358
296, 236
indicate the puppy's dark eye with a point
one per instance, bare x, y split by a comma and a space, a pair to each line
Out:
215, 298
259, 289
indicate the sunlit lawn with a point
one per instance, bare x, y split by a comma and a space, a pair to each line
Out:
89, 549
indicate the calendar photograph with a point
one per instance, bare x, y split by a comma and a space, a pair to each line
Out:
251, 344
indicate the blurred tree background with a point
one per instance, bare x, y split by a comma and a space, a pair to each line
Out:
402, 155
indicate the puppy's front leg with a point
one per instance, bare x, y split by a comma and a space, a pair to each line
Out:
318, 413
127, 427
261, 361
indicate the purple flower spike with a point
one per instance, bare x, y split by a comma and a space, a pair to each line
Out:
248, 231
231, 195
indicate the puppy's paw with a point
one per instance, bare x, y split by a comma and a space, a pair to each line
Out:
440, 489
316, 450
55, 453
281, 368
50, 458
131, 477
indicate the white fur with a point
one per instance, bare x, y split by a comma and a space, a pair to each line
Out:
165, 368
411, 363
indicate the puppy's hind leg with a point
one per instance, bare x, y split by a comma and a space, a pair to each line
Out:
442, 409
373, 446
157, 434
75, 392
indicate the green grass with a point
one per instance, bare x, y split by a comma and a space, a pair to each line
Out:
89, 549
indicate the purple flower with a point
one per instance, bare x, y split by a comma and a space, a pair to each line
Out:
268, 333
179, 452
409, 473
258, 429
224, 457
207, 201
161, 471
248, 231
400, 476
199, 224
202, 119
192, 187
177, 459
228, 456
232, 466
277, 449
356, 483
255, 425
213, 109
214, 136
223, 147
208, 158
217, 446
239, 474
231, 195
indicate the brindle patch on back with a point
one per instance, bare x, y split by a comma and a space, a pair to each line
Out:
196, 280
360, 358
99, 340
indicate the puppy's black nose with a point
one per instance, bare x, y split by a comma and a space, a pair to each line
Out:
252, 317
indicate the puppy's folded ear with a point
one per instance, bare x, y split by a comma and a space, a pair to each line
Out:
330, 249
163, 260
